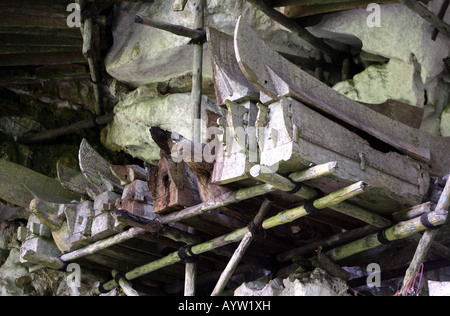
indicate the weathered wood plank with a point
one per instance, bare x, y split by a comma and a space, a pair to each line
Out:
229, 81
96, 169
17, 181
276, 76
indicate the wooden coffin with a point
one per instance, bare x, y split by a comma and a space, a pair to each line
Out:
276, 77
175, 188
297, 136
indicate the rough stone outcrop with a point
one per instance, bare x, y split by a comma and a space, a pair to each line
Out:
142, 55
144, 108
316, 283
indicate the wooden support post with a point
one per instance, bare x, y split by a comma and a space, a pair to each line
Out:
124, 284
197, 73
296, 28
428, 16
426, 241
318, 72
190, 275
251, 192
237, 235
240, 251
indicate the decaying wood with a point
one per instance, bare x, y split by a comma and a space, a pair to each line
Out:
412, 212
229, 81
399, 111
96, 169
172, 28
276, 76
20, 185
346, 208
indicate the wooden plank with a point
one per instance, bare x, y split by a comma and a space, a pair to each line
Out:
229, 81
39, 59
15, 179
275, 76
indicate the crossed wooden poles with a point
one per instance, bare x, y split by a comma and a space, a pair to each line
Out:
335, 200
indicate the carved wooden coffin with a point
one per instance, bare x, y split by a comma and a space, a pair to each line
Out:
176, 187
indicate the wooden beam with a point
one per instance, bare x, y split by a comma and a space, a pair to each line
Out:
15, 178
296, 29
41, 59
428, 16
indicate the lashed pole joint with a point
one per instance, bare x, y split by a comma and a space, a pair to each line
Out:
237, 235
428, 237
252, 230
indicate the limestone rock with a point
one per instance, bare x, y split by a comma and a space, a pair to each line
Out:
316, 283
401, 33
144, 108
141, 55
445, 122
395, 80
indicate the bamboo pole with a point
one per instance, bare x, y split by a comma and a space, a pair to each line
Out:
197, 73
251, 192
426, 241
124, 284
190, 275
285, 184
241, 249
237, 235
399, 231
